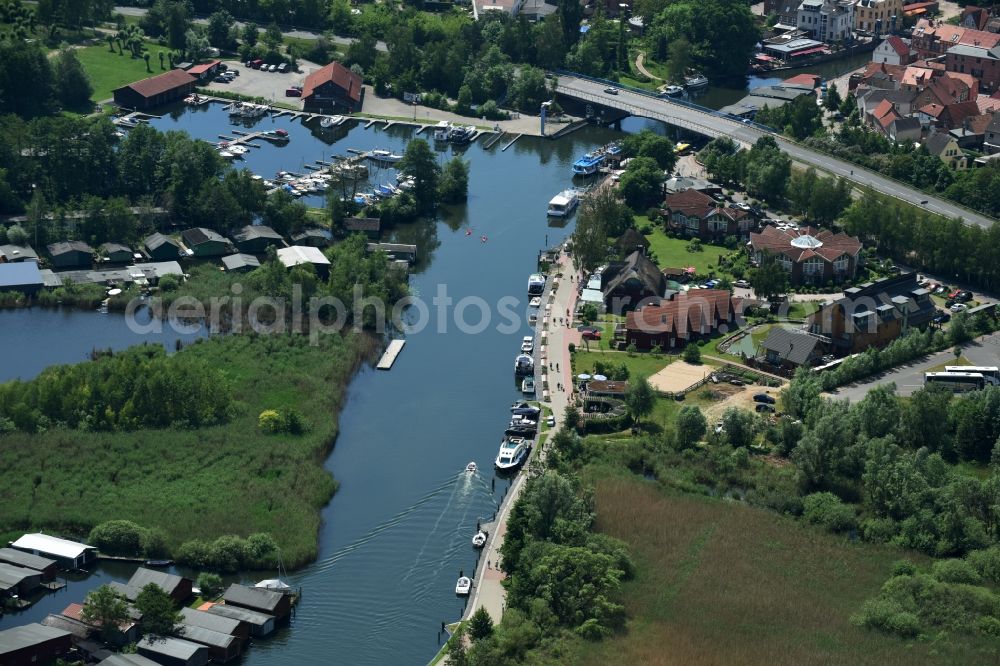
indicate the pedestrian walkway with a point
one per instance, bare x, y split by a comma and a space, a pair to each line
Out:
642, 69
488, 591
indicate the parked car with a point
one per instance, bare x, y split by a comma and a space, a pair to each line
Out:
248, 63
257, 64
736, 382
959, 307
591, 334
764, 408
741, 205
611, 91
941, 289
955, 294
763, 397
942, 317
718, 428
743, 284
964, 297
550, 421
293, 92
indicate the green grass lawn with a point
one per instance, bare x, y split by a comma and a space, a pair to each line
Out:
108, 70
639, 364
723, 583
673, 252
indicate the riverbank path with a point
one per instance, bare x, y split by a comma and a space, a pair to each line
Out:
488, 590
640, 65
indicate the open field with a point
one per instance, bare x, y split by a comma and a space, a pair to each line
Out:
722, 583
108, 70
198, 483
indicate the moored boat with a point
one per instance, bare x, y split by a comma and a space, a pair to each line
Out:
563, 204
528, 386
479, 540
524, 365
463, 586
513, 452
673, 91
695, 81
386, 156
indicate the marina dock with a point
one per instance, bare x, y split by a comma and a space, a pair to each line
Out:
391, 352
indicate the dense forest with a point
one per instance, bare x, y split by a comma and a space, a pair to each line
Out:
138, 388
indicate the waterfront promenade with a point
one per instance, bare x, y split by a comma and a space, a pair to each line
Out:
488, 590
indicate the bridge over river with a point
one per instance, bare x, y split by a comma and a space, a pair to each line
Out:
712, 123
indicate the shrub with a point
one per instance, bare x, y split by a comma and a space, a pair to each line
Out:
989, 625
986, 562
903, 568
169, 282
119, 537
210, 584
887, 615
956, 571
827, 510
879, 530
692, 354
270, 421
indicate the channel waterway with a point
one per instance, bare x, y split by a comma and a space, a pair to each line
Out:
398, 532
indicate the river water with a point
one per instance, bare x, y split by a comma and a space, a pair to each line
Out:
398, 531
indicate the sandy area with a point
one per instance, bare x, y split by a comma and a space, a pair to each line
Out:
678, 376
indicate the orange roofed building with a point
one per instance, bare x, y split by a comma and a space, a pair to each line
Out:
809, 254
688, 316
333, 87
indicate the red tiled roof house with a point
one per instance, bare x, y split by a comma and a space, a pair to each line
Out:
808, 254
689, 316
330, 87
695, 213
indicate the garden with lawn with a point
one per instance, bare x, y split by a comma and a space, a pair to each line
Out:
110, 69
676, 252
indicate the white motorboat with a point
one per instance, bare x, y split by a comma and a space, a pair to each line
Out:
471, 468
326, 122
535, 302
513, 452
387, 156
533, 318
520, 405
673, 91
528, 344
226, 155
696, 81
524, 365
463, 586
528, 386
238, 149
536, 284
442, 130
479, 540
563, 204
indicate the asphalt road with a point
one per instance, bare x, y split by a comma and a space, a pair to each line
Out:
910, 377
714, 125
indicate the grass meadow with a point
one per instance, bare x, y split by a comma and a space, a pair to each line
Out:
108, 70
722, 583
229, 479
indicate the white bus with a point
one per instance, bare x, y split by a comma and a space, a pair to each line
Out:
959, 382
990, 372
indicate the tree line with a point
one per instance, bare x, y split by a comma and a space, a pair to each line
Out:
130, 390
564, 578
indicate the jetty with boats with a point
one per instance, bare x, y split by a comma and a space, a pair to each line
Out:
592, 162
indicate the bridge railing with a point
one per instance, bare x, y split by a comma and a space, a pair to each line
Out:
661, 98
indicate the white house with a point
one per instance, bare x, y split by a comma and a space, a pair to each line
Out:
826, 20
892, 51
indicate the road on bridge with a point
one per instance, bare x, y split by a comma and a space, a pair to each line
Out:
714, 125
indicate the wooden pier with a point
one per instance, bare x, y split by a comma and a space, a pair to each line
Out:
492, 141
391, 352
511, 142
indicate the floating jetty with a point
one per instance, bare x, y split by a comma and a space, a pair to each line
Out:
391, 352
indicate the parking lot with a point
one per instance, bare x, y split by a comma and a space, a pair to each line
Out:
257, 83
